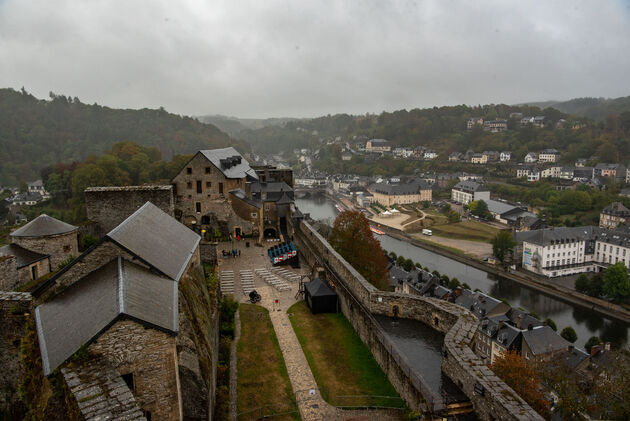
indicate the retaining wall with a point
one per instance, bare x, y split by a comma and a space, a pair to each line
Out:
359, 299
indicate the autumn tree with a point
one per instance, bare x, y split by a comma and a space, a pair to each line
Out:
351, 237
522, 378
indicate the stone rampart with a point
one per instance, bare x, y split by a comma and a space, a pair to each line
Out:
491, 397
8, 273
109, 206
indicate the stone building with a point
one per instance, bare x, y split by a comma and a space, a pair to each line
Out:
18, 266
50, 236
614, 215
402, 193
217, 190
120, 299
109, 206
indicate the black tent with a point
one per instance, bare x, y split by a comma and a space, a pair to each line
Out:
320, 298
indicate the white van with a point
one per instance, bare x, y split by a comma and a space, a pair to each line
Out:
427, 232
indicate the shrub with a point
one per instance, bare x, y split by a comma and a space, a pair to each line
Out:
569, 334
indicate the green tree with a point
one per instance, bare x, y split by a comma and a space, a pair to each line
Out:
351, 237
592, 341
616, 285
551, 324
400, 261
569, 334
408, 265
503, 245
582, 284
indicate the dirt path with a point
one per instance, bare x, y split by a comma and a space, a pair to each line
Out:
473, 248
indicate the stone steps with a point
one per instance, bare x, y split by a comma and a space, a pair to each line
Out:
272, 279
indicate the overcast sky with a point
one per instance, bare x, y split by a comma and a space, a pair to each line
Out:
296, 58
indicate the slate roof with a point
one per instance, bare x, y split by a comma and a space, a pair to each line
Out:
413, 187
470, 186
272, 191
555, 235
158, 239
478, 303
318, 288
616, 209
23, 256
85, 309
42, 226
229, 162
543, 339
240, 194
494, 206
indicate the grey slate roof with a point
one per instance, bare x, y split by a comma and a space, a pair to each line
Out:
495, 206
23, 256
470, 186
158, 239
42, 226
240, 194
543, 339
555, 235
318, 288
229, 162
616, 209
273, 191
413, 187
85, 309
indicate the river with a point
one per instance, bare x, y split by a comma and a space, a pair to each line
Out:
586, 323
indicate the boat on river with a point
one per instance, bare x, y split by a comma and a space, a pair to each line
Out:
375, 231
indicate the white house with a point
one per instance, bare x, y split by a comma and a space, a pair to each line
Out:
505, 156
549, 155
430, 154
531, 158
469, 191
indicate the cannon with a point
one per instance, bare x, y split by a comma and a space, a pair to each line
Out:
254, 297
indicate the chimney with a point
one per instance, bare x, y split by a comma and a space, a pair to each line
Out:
500, 325
458, 291
594, 350
519, 321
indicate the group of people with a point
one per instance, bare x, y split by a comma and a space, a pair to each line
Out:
231, 253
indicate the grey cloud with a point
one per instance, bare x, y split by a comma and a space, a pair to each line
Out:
293, 58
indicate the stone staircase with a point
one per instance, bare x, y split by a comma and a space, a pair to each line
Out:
226, 280
286, 274
247, 281
272, 279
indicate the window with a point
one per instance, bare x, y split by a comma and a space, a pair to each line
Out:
188, 170
220, 188
254, 214
34, 272
189, 185
198, 186
207, 170
66, 249
266, 206
128, 378
198, 206
208, 184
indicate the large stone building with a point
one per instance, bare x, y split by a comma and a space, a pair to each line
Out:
469, 191
120, 299
377, 146
401, 193
217, 190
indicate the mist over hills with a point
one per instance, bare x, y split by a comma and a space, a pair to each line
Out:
35, 133
593, 108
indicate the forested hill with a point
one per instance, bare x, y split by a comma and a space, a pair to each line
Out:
36, 133
593, 108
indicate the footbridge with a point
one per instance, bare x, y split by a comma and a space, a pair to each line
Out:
468, 381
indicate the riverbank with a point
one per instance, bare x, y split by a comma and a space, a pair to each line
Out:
532, 281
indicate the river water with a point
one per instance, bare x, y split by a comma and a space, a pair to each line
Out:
585, 322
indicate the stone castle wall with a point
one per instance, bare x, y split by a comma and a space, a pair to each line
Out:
109, 206
8, 273
359, 300
151, 356
59, 247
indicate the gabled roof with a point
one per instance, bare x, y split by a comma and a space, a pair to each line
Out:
229, 162
42, 226
23, 256
616, 209
318, 288
543, 339
241, 195
158, 239
84, 310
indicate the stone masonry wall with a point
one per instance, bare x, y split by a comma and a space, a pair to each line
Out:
8, 273
14, 309
459, 325
59, 247
151, 356
109, 206
25, 273
208, 252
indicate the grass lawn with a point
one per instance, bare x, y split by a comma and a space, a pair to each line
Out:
466, 230
341, 363
263, 381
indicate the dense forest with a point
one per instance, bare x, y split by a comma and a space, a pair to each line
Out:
444, 129
36, 133
594, 108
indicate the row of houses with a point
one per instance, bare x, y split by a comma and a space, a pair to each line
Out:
500, 124
480, 158
620, 173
